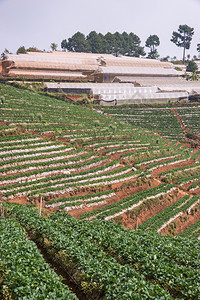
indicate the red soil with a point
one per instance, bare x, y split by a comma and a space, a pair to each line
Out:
132, 221
120, 194
183, 225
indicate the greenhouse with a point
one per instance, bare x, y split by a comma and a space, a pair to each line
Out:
116, 93
89, 65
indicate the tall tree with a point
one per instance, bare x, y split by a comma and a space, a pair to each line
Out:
183, 38
110, 39
95, 42
64, 44
152, 42
125, 36
104, 43
133, 47
77, 43
119, 43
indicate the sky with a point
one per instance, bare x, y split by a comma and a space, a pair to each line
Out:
41, 22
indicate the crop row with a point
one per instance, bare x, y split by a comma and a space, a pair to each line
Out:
192, 232
42, 159
71, 185
98, 271
126, 203
70, 201
27, 148
28, 276
44, 171
157, 221
173, 264
179, 170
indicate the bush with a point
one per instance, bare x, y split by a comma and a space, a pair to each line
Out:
192, 66
2, 99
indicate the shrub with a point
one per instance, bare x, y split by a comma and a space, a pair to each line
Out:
2, 99
192, 66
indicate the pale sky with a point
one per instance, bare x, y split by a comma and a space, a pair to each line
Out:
40, 22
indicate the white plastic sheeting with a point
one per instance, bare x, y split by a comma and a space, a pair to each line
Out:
138, 71
142, 95
110, 90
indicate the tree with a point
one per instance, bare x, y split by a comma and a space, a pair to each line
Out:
21, 50
192, 66
198, 48
119, 43
3, 54
54, 46
95, 42
183, 38
133, 47
64, 44
152, 42
165, 58
77, 43
104, 43
33, 49
110, 43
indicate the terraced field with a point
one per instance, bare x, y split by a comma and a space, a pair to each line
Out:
73, 181
167, 121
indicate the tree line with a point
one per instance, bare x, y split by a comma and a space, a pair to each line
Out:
128, 44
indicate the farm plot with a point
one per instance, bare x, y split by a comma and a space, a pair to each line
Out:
161, 120
146, 262
86, 163
190, 118
26, 274
69, 161
96, 272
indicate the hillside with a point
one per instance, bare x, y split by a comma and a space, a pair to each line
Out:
64, 160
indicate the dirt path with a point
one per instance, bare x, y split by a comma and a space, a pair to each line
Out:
185, 128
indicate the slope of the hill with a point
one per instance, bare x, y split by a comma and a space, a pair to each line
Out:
83, 170
67, 157
170, 121
104, 260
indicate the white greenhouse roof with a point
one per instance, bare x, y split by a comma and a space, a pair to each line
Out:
103, 88
137, 71
144, 96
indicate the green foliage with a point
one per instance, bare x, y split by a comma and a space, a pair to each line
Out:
28, 275
2, 98
183, 38
178, 69
33, 49
54, 46
152, 42
112, 43
77, 43
21, 50
97, 42
198, 48
192, 66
